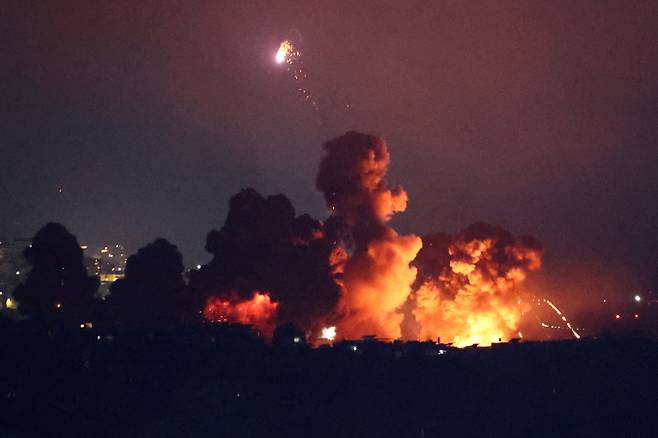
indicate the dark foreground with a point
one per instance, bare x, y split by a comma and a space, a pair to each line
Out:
223, 382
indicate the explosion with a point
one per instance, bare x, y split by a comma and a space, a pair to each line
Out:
375, 276
328, 333
471, 296
353, 275
259, 311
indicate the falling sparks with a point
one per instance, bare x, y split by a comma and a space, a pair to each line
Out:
290, 55
564, 318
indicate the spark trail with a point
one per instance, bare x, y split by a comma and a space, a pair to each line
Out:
290, 55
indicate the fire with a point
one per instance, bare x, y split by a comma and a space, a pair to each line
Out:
258, 311
375, 284
328, 333
474, 299
370, 260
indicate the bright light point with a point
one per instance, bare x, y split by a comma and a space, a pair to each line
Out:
284, 53
198, 266
18, 272
10, 304
329, 333
636, 316
637, 298
297, 340
617, 316
354, 347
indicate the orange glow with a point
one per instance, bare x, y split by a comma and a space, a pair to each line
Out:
375, 284
475, 299
258, 311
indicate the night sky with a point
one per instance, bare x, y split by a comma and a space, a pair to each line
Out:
541, 117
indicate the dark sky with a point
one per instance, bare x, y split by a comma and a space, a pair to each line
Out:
541, 117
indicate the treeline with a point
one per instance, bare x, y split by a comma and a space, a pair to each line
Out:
262, 245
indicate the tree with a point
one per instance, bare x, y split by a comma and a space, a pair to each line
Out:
153, 292
288, 336
57, 291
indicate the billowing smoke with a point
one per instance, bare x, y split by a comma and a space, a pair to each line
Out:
468, 284
354, 271
374, 264
264, 246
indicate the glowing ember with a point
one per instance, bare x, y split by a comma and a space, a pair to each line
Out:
259, 311
328, 333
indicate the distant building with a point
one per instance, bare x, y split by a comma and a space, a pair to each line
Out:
13, 267
108, 262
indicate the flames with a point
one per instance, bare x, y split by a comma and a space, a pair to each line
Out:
474, 296
464, 288
372, 261
259, 311
461, 288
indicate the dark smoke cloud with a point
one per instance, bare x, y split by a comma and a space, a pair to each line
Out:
263, 246
351, 178
375, 273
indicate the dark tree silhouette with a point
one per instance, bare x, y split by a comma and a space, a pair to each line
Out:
153, 292
57, 291
287, 336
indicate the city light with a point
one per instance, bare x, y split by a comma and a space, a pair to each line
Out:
637, 298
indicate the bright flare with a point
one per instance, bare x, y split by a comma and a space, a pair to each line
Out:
329, 333
284, 53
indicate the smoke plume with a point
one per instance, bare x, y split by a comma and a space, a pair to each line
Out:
354, 271
375, 273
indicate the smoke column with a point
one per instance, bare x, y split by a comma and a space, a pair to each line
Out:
374, 271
